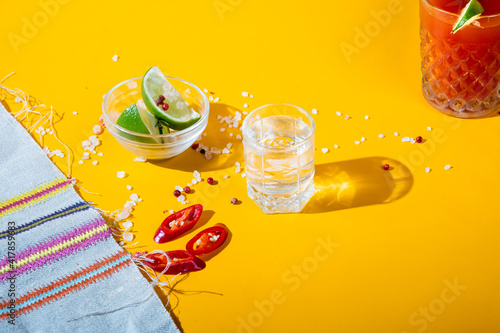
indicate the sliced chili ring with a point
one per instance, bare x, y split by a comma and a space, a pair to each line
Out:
180, 262
208, 240
178, 224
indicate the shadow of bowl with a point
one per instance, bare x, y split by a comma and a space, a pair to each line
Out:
191, 160
358, 183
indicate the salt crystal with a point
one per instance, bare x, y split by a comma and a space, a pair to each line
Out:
80, 162
427, 169
95, 162
205, 90
245, 105
127, 209
325, 150
204, 134
226, 151
100, 154
381, 136
226, 176
189, 184
335, 146
194, 181
120, 174
171, 211
229, 145
447, 167
243, 174
238, 136
210, 98
140, 159
237, 163
367, 117
396, 133
231, 134
130, 203
128, 236
314, 111
244, 94
346, 117
412, 140
245, 113
208, 155
216, 99
251, 96
363, 138
115, 58
178, 188
357, 142
134, 197
222, 129
338, 113
181, 198
405, 139
129, 187
122, 215
429, 128
97, 129
219, 116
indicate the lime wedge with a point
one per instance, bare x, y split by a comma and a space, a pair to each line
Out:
131, 119
137, 118
178, 115
470, 13
153, 124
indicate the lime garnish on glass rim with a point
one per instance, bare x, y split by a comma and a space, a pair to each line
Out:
470, 13
173, 109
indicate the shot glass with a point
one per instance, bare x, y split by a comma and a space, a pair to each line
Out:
278, 141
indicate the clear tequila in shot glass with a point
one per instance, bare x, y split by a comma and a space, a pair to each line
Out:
278, 140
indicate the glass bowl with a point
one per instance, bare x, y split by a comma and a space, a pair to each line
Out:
150, 146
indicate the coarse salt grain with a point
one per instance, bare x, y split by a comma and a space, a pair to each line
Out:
405, 139
120, 174
346, 117
429, 128
243, 174
231, 134
128, 236
208, 155
226, 151
100, 154
363, 138
134, 197
80, 162
216, 99
238, 136
179, 188
140, 159
226, 176
210, 98
205, 90
381, 136
245, 105
75, 113
335, 146
338, 113
115, 58
95, 162
447, 167
129, 187
222, 129
314, 111
396, 133
127, 224
367, 117
357, 142
181, 198
244, 94
229, 145
97, 129
325, 150
427, 169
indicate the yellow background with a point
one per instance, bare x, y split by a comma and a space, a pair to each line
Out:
403, 236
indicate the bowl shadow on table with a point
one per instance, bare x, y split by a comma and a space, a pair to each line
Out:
191, 160
358, 183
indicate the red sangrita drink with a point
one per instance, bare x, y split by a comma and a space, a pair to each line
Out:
461, 71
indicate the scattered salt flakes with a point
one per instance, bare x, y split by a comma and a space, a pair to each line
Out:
244, 94
238, 136
208, 155
178, 188
95, 162
427, 169
357, 142
130, 203
140, 159
231, 134
189, 184
314, 111
204, 134
122, 215
94, 140
128, 236
97, 129
412, 140
127, 209
100, 154
338, 113
197, 175
230, 125
219, 116
205, 91
134, 197
216, 99
325, 150
251, 96
181, 198
129, 187
243, 174
210, 98
86, 143
235, 124
429, 128
229, 145
171, 211
80, 162
226, 176
335, 146
222, 129
447, 167
127, 224
363, 138
346, 117
226, 151
396, 133
367, 117
194, 181
238, 168
245, 113
381, 136
115, 58
405, 139
120, 174
245, 105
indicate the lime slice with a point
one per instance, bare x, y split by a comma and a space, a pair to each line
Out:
153, 124
178, 115
137, 118
470, 13
131, 119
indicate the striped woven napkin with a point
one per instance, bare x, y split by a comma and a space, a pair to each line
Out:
60, 268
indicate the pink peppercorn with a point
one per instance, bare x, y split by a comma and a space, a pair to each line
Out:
177, 193
386, 166
210, 180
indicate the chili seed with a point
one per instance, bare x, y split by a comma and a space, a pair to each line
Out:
210, 180
177, 193
386, 166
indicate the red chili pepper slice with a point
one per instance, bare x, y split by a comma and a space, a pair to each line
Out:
178, 223
208, 240
180, 262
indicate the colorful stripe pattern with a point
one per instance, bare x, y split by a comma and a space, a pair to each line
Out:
35, 196
68, 284
58, 247
78, 207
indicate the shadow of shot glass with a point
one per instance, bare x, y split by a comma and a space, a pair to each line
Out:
358, 183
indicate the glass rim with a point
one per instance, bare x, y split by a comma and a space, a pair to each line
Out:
206, 109
257, 143
482, 17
